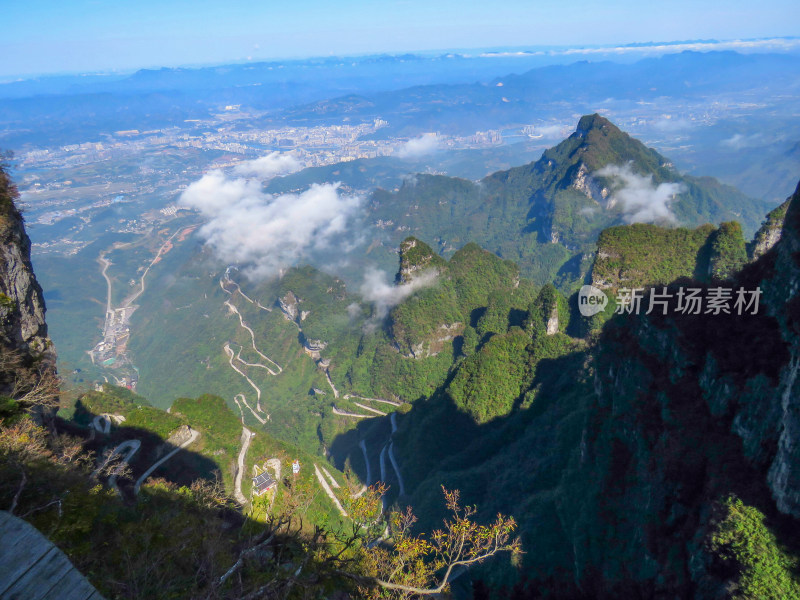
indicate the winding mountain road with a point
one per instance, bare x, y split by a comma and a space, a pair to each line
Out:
106, 263
382, 465
325, 486
374, 410
248, 364
229, 352
334, 483
343, 413
363, 445
227, 279
386, 450
192, 437
241, 411
129, 446
232, 308
102, 424
330, 383
243, 399
247, 437
129, 300
381, 400
117, 320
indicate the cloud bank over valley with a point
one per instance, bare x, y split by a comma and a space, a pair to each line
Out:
640, 200
266, 234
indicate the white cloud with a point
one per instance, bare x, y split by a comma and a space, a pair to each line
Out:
377, 289
639, 198
271, 165
421, 146
668, 124
266, 234
553, 131
409, 179
354, 311
738, 141
772, 44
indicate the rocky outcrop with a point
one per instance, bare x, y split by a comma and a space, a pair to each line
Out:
313, 345
416, 257
180, 436
438, 341
769, 233
551, 327
588, 186
23, 331
289, 306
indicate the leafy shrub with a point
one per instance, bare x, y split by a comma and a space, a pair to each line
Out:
742, 539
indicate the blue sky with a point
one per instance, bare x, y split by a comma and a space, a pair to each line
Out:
51, 36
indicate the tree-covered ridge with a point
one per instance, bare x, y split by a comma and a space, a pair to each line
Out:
497, 377
427, 333
423, 337
548, 313
441, 310
641, 255
135, 409
490, 380
328, 295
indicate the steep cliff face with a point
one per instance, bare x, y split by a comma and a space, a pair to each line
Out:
783, 301
23, 331
770, 231
688, 411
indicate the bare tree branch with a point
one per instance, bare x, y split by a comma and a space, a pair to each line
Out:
22, 483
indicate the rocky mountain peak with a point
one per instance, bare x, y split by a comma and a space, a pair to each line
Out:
596, 122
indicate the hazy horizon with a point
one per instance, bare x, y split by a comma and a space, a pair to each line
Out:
90, 36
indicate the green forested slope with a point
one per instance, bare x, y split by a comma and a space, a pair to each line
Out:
649, 459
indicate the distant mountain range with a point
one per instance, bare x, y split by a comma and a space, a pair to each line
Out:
451, 93
538, 92
547, 214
